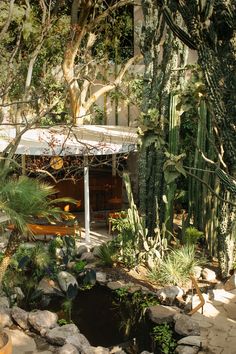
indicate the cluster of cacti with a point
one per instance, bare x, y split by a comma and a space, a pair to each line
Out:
148, 249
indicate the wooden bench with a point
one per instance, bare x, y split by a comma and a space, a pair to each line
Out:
55, 230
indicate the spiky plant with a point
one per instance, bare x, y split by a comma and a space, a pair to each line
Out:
176, 267
22, 200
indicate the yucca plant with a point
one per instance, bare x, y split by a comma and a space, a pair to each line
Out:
176, 267
22, 200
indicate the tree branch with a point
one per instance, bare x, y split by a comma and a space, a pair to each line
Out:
110, 87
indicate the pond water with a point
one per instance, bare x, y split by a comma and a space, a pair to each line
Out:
103, 320
97, 318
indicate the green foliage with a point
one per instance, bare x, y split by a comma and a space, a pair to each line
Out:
27, 268
176, 267
24, 198
79, 266
62, 322
163, 338
66, 244
106, 254
132, 307
98, 116
89, 278
36, 258
191, 236
132, 246
115, 38
67, 306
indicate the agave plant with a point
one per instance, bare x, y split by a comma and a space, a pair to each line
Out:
22, 200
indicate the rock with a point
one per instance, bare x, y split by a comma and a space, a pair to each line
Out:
4, 302
71, 265
96, 251
117, 350
92, 265
230, 283
185, 349
59, 335
169, 293
208, 274
19, 293
197, 272
88, 257
20, 316
79, 341
59, 253
65, 279
100, 350
42, 320
101, 277
191, 340
22, 343
49, 287
145, 352
80, 250
161, 314
68, 349
5, 317
114, 285
186, 326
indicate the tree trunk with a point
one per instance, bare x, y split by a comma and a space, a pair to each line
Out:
12, 246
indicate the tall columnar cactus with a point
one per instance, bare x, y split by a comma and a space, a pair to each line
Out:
174, 125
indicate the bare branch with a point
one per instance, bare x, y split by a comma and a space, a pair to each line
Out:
8, 21
110, 87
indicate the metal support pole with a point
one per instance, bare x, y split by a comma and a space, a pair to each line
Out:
86, 201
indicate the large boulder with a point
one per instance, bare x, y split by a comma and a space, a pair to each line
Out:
186, 349
100, 350
49, 287
88, 257
231, 283
42, 320
191, 340
186, 326
80, 250
79, 341
101, 277
208, 274
67, 349
169, 293
4, 302
5, 317
162, 314
59, 335
66, 279
20, 316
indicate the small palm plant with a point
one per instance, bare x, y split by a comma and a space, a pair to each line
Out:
22, 200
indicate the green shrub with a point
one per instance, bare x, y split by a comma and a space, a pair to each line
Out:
176, 267
79, 266
163, 338
191, 236
106, 254
132, 307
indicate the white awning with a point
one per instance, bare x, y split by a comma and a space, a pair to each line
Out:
82, 140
